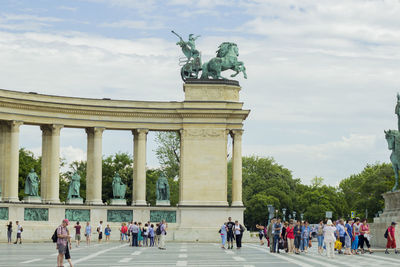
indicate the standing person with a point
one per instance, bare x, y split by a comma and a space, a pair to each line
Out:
340, 234
69, 247
320, 236
391, 240
364, 236
140, 235
289, 235
306, 236
223, 233
100, 231
297, 237
329, 238
238, 230
9, 232
230, 234
134, 234
260, 229
124, 232
107, 232
77, 234
157, 235
88, 233
19, 233
129, 233
283, 236
356, 233
348, 236
151, 235
277, 234
163, 228
62, 242
145, 235
270, 233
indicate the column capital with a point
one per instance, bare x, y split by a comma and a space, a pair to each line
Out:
15, 125
54, 128
140, 131
236, 133
96, 130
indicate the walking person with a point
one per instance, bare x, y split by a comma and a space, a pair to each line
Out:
283, 236
290, 237
130, 234
277, 234
9, 232
100, 231
238, 230
260, 229
163, 229
329, 238
140, 235
107, 232
88, 233
69, 247
124, 232
62, 242
391, 240
223, 231
320, 236
340, 233
306, 236
348, 236
151, 235
297, 237
356, 233
77, 234
19, 233
230, 235
134, 234
364, 236
270, 233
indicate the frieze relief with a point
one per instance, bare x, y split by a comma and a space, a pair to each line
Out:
204, 133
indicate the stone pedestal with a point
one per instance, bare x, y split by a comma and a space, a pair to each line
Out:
32, 199
163, 203
390, 214
75, 201
118, 202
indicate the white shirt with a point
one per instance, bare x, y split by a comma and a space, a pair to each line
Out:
19, 229
237, 229
329, 233
100, 228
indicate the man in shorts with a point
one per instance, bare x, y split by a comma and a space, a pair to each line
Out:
19, 232
229, 234
62, 241
77, 234
100, 231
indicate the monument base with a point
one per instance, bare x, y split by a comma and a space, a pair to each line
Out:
118, 202
163, 203
75, 201
32, 199
391, 214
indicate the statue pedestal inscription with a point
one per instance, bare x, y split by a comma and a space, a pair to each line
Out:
32, 199
75, 201
163, 203
118, 202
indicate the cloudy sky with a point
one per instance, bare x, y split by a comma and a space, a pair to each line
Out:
322, 75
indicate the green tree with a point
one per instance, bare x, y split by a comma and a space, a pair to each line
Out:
168, 152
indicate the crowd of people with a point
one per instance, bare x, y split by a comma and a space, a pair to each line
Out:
231, 231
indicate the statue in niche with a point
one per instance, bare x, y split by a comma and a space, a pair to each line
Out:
162, 188
119, 188
32, 184
74, 186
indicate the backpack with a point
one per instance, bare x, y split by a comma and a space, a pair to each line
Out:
386, 233
158, 230
54, 237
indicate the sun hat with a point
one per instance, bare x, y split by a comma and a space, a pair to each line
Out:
66, 221
329, 222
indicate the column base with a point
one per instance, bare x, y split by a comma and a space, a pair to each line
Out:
140, 203
11, 200
32, 199
203, 203
51, 201
75, 201
237, 204
94, 202
118, 202
163, 203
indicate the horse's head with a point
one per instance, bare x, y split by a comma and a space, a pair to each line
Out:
225, 48
390, 136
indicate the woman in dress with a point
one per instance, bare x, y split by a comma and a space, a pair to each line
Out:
329, 238
140, 236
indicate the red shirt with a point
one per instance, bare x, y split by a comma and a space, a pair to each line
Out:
77, 229
290, 233
391, 232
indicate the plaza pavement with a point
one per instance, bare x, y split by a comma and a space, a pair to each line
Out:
179, 254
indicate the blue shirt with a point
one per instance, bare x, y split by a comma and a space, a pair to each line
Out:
223, 230
349, 230
151, 232
340, 228
305, 232
107, 231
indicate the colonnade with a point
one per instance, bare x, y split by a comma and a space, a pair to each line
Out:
9, 164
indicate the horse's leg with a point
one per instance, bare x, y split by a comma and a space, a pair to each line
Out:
396, 175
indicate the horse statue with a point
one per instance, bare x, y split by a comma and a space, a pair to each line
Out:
226, 59
393, 139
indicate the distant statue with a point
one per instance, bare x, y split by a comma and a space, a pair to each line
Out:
162, 188
74, 186
397, 111
191, 65
119, 188
226, 59
32, 184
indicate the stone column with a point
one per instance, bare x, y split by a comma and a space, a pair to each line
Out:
94, 166
139, 167
3, 144
50, 176
237, 167
10, 159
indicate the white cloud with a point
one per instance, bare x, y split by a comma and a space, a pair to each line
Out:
134, 24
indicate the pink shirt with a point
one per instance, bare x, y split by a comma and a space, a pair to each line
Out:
61, 230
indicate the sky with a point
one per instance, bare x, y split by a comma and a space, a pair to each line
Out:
322, 75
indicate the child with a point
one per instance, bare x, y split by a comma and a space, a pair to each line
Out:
107, 231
